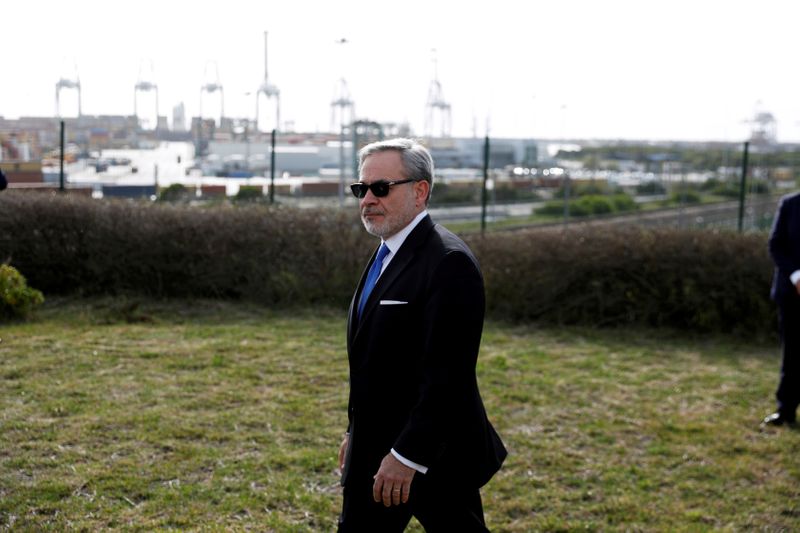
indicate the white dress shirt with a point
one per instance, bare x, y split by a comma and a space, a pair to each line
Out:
394, 242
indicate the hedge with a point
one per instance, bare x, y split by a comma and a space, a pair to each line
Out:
698, 280
608, 276
73, 245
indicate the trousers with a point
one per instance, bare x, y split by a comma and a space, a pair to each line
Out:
438, 506
788, 393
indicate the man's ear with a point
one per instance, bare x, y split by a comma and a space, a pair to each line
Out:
421, 189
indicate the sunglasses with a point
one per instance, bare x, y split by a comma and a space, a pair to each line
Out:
378, 188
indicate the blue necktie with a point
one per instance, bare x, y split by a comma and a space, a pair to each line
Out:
372, 277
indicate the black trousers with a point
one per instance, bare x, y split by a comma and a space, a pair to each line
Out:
788, 393
438, 506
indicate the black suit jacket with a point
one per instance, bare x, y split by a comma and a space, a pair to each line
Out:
412, 365
784, 247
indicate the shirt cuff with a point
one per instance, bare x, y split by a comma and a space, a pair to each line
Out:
795, 277
411, 464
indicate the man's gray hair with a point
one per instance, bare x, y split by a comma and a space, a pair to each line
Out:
417, 160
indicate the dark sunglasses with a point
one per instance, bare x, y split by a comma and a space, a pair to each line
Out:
378, 188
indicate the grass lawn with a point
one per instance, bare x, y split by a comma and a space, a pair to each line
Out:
219, 416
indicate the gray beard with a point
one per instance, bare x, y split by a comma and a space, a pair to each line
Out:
395, 223
389, 226
383, 231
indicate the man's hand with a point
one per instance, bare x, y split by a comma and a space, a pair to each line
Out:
392, 482
797, 286
343, 450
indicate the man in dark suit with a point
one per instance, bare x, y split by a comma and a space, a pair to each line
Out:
418, 440
784, 247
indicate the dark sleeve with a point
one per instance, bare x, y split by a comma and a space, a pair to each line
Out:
453, 320
349, 411
780, 247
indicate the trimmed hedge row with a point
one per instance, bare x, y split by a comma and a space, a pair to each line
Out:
703, 281
699, 280
273, 255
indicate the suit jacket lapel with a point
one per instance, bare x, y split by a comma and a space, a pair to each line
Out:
352, 321
399, 262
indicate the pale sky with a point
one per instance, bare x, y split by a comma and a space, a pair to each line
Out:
630, 69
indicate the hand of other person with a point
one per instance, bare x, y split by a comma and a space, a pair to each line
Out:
797, 286
392, 482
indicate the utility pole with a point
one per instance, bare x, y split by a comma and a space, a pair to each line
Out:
342, 106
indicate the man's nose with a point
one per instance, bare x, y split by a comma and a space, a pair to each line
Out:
369, 198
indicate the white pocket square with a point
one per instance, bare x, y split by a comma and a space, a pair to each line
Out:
392, 302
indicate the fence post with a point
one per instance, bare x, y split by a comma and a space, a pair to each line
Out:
272, 168
341, 164
61, 164
484, 193
742, 184
565, 185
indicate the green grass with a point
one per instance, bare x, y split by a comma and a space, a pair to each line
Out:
218, 416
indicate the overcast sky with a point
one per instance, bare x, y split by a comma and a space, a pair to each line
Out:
654, 69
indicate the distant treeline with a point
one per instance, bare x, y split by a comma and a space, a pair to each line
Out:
702, 281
